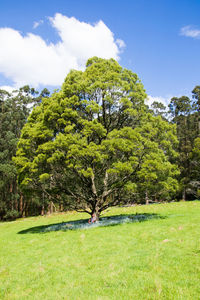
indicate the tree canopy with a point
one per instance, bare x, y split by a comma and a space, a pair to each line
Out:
14, 110
89, 143
185, 114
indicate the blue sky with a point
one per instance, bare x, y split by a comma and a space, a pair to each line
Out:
159, 40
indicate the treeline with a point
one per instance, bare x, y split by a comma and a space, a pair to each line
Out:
15, 108
185, 113
95, 116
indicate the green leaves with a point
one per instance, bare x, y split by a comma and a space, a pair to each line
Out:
93, 141
44, 177
14, 111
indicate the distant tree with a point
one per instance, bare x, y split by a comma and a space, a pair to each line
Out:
194, 184
159, 109
156, 179
181, 111
14, 110
196, 106
87, 143
185, 114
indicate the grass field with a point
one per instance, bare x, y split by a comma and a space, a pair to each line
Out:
150, 258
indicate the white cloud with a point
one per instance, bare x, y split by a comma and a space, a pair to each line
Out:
36, 24
189, 31
120, 43
163, 100
30, 60
8, 88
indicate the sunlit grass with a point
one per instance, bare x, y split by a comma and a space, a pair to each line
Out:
155, 259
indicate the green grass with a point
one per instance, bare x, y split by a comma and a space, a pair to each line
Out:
154, 259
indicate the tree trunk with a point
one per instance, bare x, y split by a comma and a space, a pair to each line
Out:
96, 212
97, 216
146, 198
51, 207
184, 195
42, 210
21, 204
14, 191
26, 209
60, 207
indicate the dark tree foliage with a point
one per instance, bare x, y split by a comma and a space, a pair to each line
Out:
185, 113
159, 109
14, 110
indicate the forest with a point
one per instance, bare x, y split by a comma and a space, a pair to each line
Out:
96, 143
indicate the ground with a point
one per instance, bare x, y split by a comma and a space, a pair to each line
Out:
156, 256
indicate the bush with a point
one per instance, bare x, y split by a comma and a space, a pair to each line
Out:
11, 215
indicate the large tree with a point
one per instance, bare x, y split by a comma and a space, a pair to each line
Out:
86, 143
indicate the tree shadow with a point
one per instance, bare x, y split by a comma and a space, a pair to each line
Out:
83, 224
